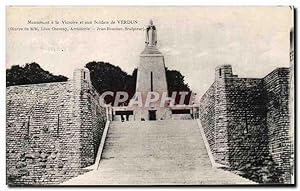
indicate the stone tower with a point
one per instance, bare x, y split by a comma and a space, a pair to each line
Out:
151, 77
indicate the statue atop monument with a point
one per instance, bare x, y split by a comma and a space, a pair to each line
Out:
151, 40
151, 35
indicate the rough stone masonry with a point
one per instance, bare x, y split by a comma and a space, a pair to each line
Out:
53, 130
246, 118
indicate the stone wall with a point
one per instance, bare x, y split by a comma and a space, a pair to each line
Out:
52, 131
207, 117
246, 114
278, 119
246, 119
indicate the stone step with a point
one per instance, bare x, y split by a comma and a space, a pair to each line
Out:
166, 157
159, 177
151, 163
156, 153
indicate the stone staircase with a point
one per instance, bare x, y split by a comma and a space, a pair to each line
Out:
155, 153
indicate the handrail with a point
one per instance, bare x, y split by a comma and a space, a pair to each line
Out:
101, 146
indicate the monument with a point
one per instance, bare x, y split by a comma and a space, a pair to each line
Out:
151, 79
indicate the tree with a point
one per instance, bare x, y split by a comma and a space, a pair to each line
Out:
104, 77
175, 81
107, 77
30, 74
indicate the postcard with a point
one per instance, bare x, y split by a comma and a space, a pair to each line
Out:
150, 95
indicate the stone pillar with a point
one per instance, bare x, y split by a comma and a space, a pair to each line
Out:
82, 79
82, 115
151, 77
222, 73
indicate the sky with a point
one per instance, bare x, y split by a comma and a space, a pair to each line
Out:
193, 40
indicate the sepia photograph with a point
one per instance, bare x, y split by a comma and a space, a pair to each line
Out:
150, 96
